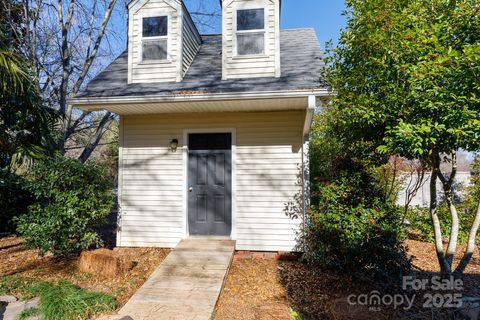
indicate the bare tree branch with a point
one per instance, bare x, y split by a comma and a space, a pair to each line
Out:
91, 57
95, 139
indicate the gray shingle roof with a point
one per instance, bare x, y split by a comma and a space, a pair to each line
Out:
301, 63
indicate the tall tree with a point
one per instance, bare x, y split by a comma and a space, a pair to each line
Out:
408, 80
26, 126
68, 42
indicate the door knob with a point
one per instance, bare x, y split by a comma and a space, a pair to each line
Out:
190, 189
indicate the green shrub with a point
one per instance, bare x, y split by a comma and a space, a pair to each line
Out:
14, 199
420, 221
354, 235
71, 198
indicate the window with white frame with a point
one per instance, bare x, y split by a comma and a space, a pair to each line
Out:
250, 32
155, 38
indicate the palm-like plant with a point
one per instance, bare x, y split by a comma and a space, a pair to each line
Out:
26, 126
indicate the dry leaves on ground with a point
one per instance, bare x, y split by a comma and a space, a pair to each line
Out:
17, 260
257, 289
268, 289
253, 290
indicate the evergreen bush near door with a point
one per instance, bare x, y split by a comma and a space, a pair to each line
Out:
350, 235
71, 198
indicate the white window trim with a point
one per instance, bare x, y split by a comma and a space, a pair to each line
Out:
252, 6
186, 132
168, 37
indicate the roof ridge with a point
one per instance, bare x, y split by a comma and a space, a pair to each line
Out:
289, 29
295, 29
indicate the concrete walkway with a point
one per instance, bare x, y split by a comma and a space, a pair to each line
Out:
186, 285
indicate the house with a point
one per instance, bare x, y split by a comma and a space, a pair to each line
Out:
213, 128
421, 198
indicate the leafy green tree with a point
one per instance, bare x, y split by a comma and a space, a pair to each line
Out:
407, 74
354, 226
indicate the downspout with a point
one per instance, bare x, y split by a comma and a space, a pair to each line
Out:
120, 212
312, 105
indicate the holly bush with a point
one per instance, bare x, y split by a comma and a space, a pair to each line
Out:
70, 199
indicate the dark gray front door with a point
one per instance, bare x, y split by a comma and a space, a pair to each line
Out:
210, 184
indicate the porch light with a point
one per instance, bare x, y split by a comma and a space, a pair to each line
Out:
174, 145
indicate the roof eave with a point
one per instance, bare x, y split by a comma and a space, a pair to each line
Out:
319, 92
184, 102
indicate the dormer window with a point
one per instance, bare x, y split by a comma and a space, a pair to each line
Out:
155, 38
250, 33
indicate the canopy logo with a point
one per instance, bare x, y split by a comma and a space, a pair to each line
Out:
441, 293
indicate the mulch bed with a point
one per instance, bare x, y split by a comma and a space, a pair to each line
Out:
253, 290
16, 259
259, 288
272, 289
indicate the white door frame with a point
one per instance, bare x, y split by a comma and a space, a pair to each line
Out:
186, 132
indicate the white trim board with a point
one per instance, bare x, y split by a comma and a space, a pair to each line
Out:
250, 6
186, 132
153, 14
78, 102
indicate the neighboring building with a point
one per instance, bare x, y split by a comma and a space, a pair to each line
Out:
422, 198
213, 128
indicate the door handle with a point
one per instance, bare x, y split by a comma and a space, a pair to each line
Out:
190, 189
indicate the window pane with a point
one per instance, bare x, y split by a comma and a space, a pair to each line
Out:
155, 26
253, 19
154, 50
250, 43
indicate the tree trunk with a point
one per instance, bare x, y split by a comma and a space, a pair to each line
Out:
95, 139
449, 194
453, 241
471, 244
434, 216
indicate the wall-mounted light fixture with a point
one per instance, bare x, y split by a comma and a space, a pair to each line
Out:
174, 145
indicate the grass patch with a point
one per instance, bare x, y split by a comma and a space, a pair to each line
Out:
32, 312
66, 301
16, 286
59, 301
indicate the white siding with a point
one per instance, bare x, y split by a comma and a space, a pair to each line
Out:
191, 41
147, 72
236, 67
267, 163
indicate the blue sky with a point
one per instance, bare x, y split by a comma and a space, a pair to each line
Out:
323, 15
